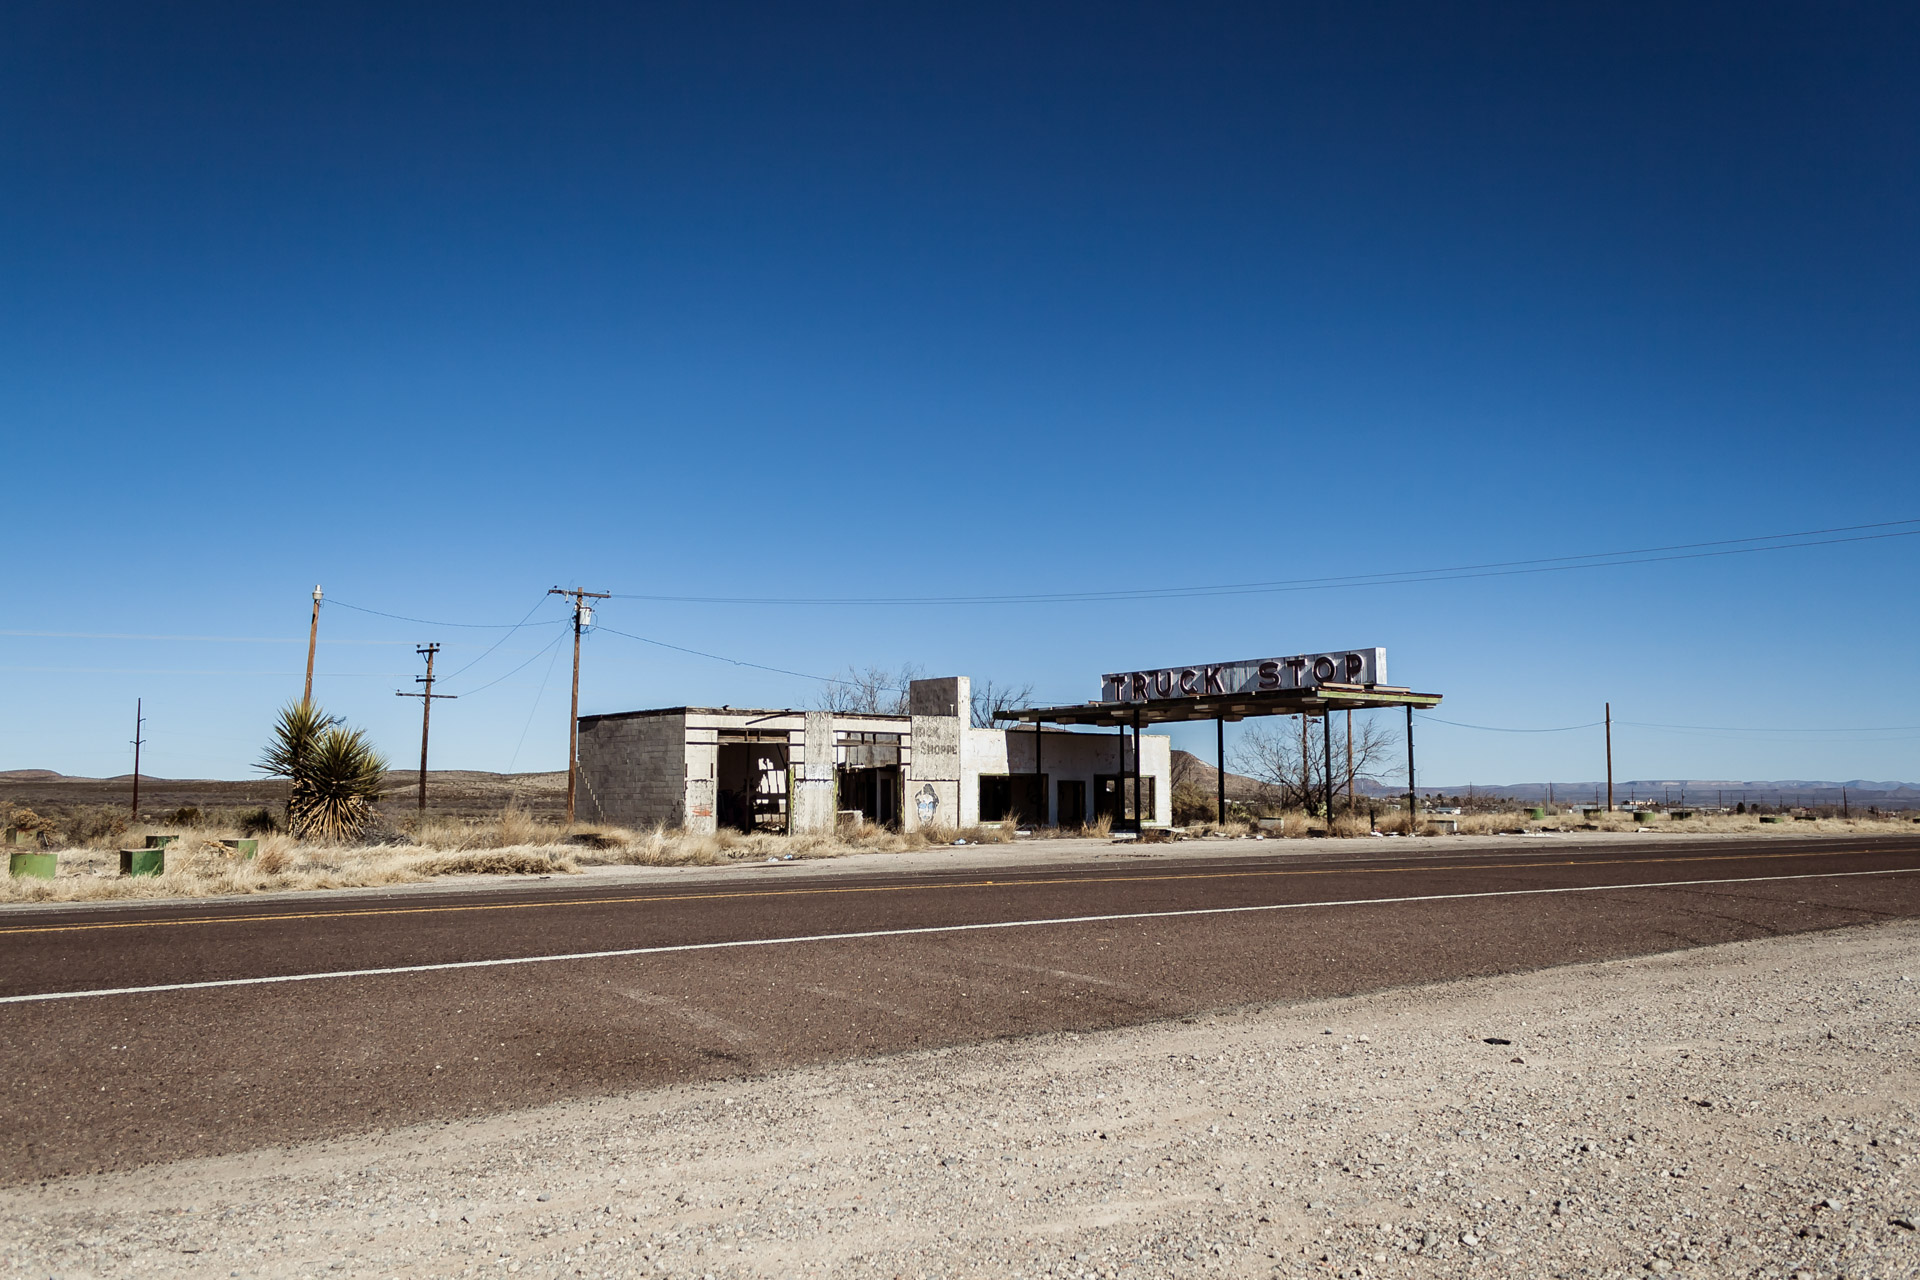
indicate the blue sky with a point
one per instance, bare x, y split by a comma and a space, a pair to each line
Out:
439, 306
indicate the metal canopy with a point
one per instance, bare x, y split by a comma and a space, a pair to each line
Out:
1316, 701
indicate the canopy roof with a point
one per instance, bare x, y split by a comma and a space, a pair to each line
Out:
1317, 701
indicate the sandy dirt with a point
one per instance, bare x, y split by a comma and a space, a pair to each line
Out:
1745, 1110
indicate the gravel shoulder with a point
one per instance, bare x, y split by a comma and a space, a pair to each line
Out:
1744, 1110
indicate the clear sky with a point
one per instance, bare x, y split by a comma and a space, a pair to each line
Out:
439, 306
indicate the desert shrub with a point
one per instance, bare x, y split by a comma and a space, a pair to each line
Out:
335, 773
93, 824
1192, 803
29, 822
490, 862
258, 822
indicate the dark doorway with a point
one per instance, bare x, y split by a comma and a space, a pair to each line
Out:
1020, 796
751, 785
1071, 804
874, 792
1113, 796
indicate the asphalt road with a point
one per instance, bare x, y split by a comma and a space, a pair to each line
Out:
135, 1034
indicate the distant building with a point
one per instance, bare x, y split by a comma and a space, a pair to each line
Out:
704, 768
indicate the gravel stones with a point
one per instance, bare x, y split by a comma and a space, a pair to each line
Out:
1249, 1144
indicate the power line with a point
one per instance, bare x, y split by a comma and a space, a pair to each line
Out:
1727, 728
124, 635
535, 710
1494, 728
502, 640
537, 654
429, 622
737, 662
1507, 568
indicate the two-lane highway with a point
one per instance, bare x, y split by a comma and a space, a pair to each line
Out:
130, 1034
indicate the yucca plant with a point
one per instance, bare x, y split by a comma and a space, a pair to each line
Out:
334, 774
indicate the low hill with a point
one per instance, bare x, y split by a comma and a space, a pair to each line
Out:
456, 792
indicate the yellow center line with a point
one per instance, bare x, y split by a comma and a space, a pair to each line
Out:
718, 895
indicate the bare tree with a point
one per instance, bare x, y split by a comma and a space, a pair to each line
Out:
1374, 748
1269, 753
989, 699
874, 691
1292, 765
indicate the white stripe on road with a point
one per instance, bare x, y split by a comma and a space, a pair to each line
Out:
922, 929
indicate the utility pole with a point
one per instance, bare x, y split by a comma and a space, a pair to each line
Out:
313, 637
1609, 757
582, 619
138, 720
426, 712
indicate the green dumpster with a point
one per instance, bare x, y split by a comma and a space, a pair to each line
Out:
42, 866
142, 862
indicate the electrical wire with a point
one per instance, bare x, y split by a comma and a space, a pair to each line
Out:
1726, 728
1494, 728
551, 644
503, 639
533, 711
1506, 568
737, 662
121, 635
429, 622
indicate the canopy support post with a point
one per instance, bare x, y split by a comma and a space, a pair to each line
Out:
1139, 818
1220, 759
1326, 778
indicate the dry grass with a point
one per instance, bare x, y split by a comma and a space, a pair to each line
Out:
1100, 828
513, 826
515, 843
1724, 824
664, 847
200, 867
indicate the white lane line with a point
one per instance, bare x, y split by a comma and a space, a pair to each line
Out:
903, 933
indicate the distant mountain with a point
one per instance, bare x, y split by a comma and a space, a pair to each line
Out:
1787, 791
1192, 769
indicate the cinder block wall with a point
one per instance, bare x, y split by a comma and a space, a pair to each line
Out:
634, 770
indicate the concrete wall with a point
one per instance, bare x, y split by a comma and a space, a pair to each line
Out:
659, 768
812, 799
934, 796
703, 787
633, 770
1064, 757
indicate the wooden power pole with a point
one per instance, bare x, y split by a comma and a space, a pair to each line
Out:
1609, 757
313, 637
138, 720
426, 712
582, 619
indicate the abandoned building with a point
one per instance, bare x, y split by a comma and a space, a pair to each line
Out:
704, 768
